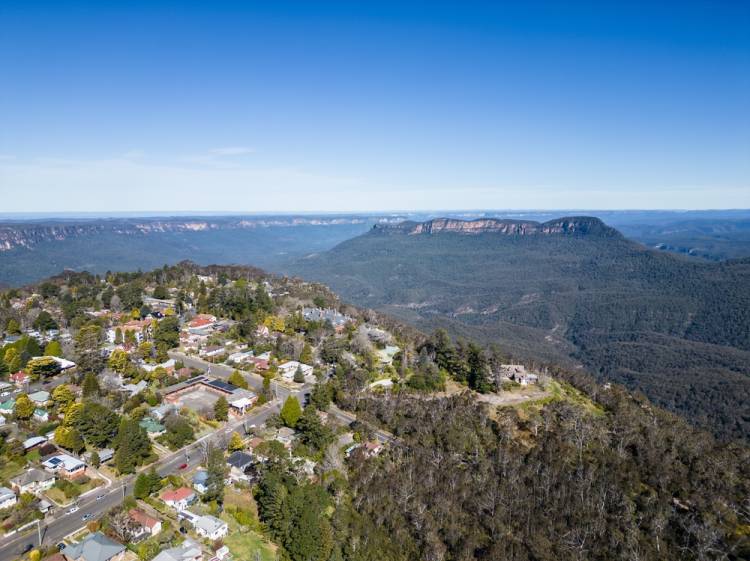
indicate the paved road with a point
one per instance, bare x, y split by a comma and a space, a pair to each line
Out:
55, 528
222, 371
347, 418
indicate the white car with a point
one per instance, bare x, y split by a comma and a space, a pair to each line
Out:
73, 509
4, 394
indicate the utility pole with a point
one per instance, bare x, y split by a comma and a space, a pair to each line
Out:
39, 531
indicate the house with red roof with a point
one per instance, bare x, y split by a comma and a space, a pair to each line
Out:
201, 324
20, 378
178, 499
149, 524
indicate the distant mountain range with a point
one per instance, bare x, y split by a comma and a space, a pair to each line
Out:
571, 289
32, 248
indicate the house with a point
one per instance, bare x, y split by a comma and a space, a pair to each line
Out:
40, 398
245, 400
94, 547
33, 442
105, 455
65, 466
328, 315
64, 364
199, 481
373, 448
202, 324
259, 363
41, 415
6, 407
33, 481
167, 365
44, 506
137, 327
7, 498
178, 499
221, 554
516, 373
385, 356
150, 525
239, 463
186, 551
152, 427
189, 516
212, 351
159, 413
285, 435
240, 356
288, 369
134, 389
211, 528
20, 378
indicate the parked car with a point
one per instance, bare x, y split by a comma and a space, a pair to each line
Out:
28, 547
4, 394
86, 516
60, 546
182, 466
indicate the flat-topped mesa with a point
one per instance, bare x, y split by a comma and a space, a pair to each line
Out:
573, 225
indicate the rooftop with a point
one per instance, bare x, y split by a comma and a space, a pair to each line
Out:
94, 547
209, 524
64, 461
40, 397
31, 476
240, 460
177, 494
187, 550
142, 518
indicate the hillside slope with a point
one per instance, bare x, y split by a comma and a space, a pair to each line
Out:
572, 288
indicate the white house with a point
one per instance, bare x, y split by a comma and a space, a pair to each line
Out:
33, 481
211, 528
146, 523
7, 498
178, 499
65, 466
288, 369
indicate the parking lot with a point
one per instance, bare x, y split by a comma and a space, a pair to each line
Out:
199, 399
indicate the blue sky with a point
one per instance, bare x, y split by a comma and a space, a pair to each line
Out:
283, 106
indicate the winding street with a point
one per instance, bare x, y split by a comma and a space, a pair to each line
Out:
62, 523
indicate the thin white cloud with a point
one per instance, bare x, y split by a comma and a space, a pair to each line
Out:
232, 151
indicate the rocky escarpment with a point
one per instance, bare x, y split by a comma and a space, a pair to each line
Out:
576, 225
29, 234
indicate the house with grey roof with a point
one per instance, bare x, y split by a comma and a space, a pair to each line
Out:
94, 547
33, 481
39, 398
186, 551
7, 498
211, 528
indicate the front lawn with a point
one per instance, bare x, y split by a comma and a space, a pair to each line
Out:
9, 469
246, 543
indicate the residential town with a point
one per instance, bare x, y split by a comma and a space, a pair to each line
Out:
142, 416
